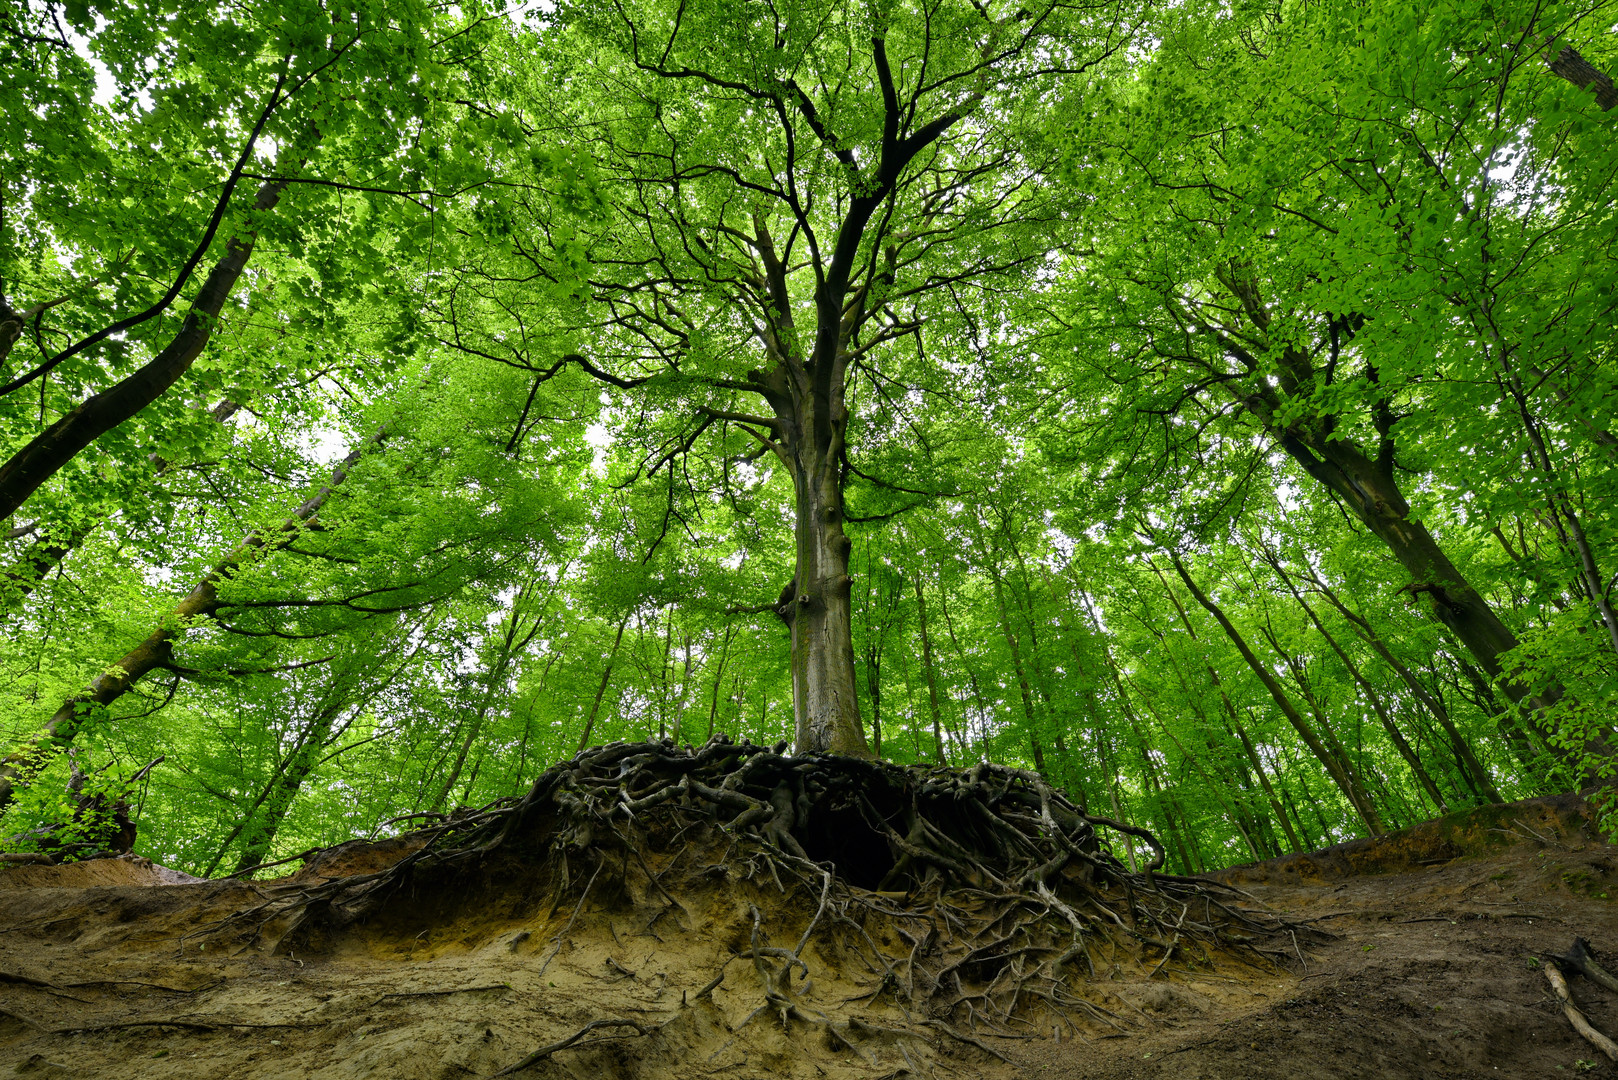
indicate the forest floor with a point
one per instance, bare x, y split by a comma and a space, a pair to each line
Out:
1434, 972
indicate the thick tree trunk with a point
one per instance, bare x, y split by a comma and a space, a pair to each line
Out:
820, 612
58, 444
1569, 65
155, 651
1367, 487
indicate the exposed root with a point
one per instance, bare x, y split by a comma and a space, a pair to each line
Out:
577, 1038
976, 899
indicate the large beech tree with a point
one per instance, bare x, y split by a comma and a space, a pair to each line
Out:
1127, 358
798, 189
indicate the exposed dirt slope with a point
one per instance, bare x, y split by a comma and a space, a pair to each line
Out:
1431, 976
1436, 972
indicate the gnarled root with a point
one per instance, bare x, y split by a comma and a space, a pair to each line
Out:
974, 897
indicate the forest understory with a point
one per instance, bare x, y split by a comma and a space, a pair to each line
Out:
733, 911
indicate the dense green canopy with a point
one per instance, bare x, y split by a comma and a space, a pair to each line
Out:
1211, 406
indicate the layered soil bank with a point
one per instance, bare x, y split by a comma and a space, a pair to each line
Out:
109, 969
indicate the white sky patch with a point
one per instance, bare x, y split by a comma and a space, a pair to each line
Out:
324, 444
106, 91
599, 437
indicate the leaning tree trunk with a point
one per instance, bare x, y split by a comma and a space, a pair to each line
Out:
1569, 65
1368, 488
1338, 768
155, 652
58, 444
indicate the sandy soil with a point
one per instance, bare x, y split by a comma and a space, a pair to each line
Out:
1434, 973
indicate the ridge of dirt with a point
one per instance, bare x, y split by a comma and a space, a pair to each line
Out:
103, 974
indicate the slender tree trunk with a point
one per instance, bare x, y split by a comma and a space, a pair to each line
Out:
972, 680
931, 675
601, 687
1258, 768
1395, 736
1463, 749
281, 791
685, 686
507, 650
1346, 782
1563, 514
1167, 804
1368, 488
314, 735
1328, 734
156, 651
718, 674
1214, 787
1235, 720
873, 687
1249, 821
1022, 674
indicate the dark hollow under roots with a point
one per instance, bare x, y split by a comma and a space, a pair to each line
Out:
980, 896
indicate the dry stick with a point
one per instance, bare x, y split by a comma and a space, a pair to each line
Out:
544, 1052
1576, 1018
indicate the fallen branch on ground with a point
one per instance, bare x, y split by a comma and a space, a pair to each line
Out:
1575, 1017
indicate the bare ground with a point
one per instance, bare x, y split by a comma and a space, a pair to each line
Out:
1435, 973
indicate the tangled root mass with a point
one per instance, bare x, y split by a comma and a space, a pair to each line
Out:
978, 895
